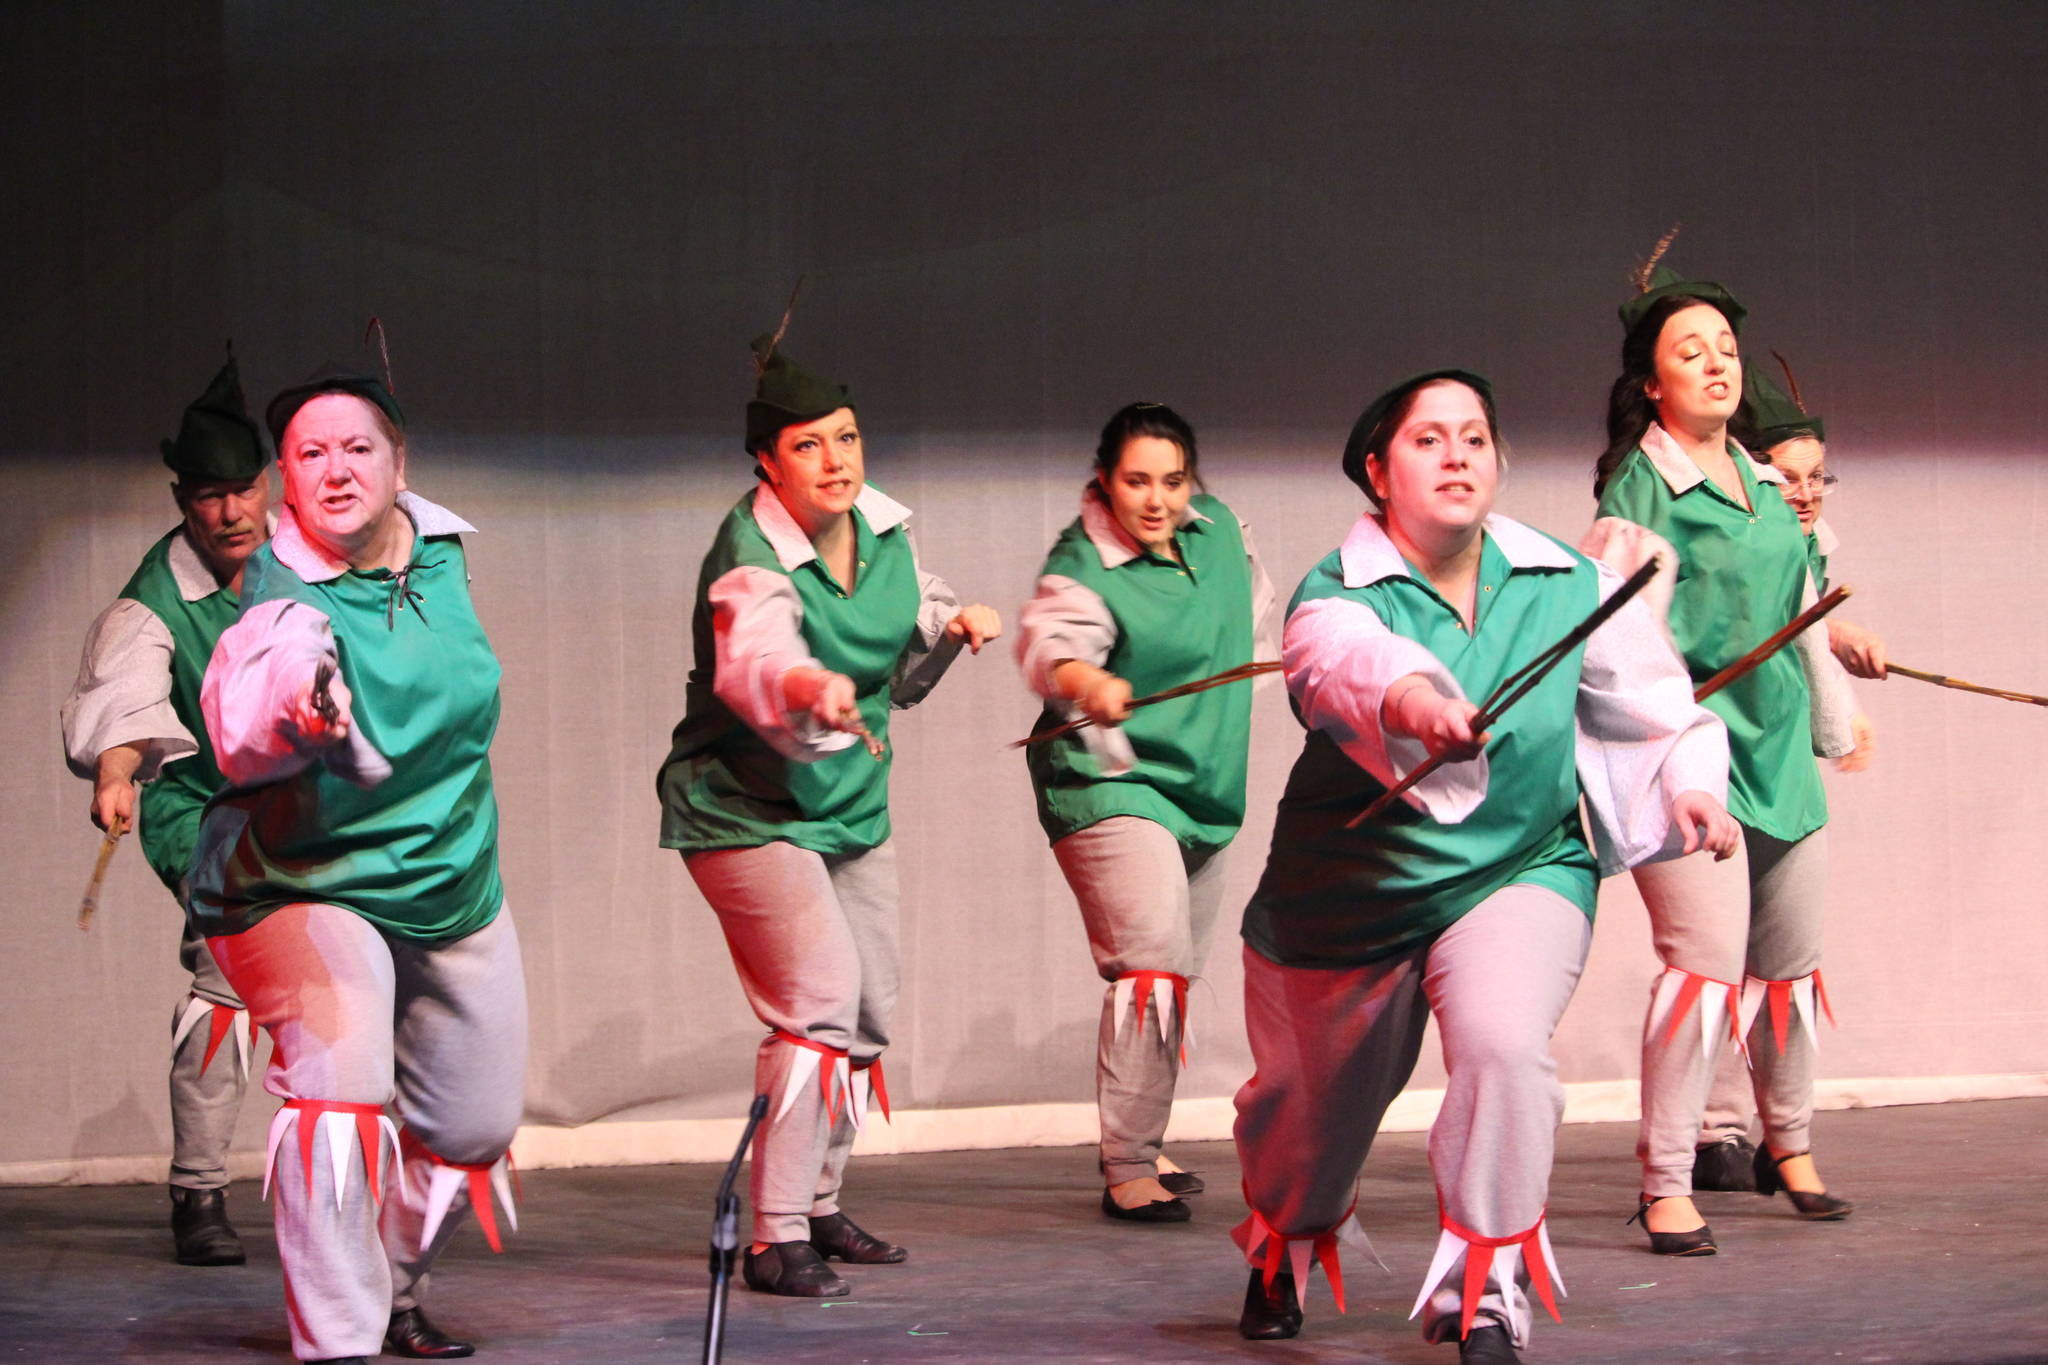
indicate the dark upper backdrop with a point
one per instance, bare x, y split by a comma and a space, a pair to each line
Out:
573, 217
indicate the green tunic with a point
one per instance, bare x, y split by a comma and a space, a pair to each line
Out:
1173, 625
171, 803
416, 855
723, 785
1332, 897
1742, 575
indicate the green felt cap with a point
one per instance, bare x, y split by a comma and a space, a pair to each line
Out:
217, 440
1356, 448
333, 377
787, 394
1668, 283
1777, 416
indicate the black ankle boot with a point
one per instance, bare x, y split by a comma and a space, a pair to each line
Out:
1488, 1343
1814, 1208
793, 1269
200, 1228
837, 1235
1724, 1166
410, 1335
1270, 1314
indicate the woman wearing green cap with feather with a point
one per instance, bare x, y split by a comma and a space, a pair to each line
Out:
813, 620
1473, 901
347, 878
1735, 935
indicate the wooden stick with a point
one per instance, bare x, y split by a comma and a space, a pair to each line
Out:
1943, 680
1238, 674
1517, 685
91, 902
1771, 646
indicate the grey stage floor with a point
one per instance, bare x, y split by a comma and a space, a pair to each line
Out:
1944, 1261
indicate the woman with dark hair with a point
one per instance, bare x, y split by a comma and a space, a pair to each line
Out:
1153, 585
1735, 934
813, 620
1473, 901
346, 879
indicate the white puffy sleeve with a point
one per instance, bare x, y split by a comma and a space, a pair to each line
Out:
123, 693
931, 651
1341, 658
260, 667
1642, 739
1067, 619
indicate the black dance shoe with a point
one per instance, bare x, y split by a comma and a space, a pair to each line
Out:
1698, 1242
1814, 1208
1270, 1314
200, 1228
1157, 1211
1181, 1184
412, 1337
837, 1235
792, 1269
1488, 1344
1724, 1166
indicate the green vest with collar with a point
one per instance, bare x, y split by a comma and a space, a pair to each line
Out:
171, 803
1337, 897
1742, 573
1174, 624
416, 855
722, 785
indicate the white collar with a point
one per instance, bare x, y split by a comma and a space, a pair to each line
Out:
1681, 473
315, 565
1824, 538
1369, 554
793, 549
1111, 541
188, 569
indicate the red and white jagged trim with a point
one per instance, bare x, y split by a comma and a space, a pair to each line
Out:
225, 1019
1269, 1252
1678, 991
831, 1065
1168, 994
448, 1178
346, 1125
1800, 994
1494, 1258
868, 1081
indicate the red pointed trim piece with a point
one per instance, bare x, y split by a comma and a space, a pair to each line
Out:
1530, 1240
1141, 987
217, 1028
1779, 995
478, 1181
1272, 1246
366, 1116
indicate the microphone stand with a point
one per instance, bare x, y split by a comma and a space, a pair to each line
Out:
725, 1236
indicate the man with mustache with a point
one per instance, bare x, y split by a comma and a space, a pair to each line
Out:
132, 727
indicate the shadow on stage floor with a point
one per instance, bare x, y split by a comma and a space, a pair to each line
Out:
1944, 1261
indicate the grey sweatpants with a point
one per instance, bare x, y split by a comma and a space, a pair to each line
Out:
814, 940
357, 1017
1150, 906
1756, 915
206, 1096
1334, 1046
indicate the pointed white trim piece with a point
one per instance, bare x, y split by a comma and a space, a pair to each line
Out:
1120, 1004
390, 1130
245, 1038
340, 1129
279, 1121
1803, 1006
197, 1007
501, 1184
1661, 1003
803, 1069
1351, 1233
1448, 1245
1550, 1257
1260, 1234
1713, 1006
1299, 1252
1505, 1261
442, 1187
1162, 1005
861, 1090
1755, 990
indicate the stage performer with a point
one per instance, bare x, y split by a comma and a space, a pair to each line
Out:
813, 619
1792, 441
1474, 900
1153, 585
347, 879
133, 718
1737, 939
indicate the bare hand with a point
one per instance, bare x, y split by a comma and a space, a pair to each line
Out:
977, 625
316, 731
1859, 758
1106, 700
1860, 651
1442, 724
113, 800
829, 698
1706, 824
